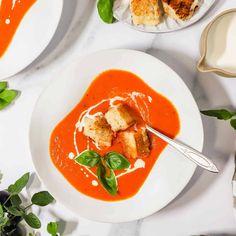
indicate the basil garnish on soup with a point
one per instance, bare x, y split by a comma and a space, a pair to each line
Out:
105, 166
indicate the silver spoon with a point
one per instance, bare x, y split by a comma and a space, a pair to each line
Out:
192, 154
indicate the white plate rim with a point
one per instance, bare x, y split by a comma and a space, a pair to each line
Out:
60, 4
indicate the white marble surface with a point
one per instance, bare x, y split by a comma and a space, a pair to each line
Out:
205, 206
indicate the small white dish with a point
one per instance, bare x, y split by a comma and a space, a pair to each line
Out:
32, 36
172, 171
218, 49
123, 14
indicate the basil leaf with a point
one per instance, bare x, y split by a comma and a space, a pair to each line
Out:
88, 158
32, 220
3, 221
15, 200
6, 98
16, 188
14, 211
3, 104
105, 10
108, 182
52, 228
116, 161
1, 211
42, 198
3, 85
233, 123
220, 114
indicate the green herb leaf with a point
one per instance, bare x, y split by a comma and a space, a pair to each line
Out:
88, 158
105, 10
233, 123
32, 220
15, 200
17, 187
52, 228
116, 161
42, 198
220, 114
14, 211
108, 179
1, 211
3, 221
7, 97
3, 85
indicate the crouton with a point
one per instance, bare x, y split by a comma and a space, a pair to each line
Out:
98, 130
135, 143
142, 142
120, 117
145, 12
128, 142
180, 9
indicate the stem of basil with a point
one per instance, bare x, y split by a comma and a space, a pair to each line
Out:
28, 207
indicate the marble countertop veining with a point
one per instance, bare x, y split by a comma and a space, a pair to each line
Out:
205, 205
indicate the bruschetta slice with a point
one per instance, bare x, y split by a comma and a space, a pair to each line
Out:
180, 9
145, 12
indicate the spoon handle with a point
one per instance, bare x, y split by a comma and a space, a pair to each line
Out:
192, 154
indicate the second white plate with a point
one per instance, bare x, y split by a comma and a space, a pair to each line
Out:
32, 36
122, 13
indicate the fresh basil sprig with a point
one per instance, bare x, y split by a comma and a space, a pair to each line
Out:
222, 114
7, 96
105, 10
105, 166
13, 210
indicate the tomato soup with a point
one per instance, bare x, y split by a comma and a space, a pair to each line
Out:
11, 14
67, 140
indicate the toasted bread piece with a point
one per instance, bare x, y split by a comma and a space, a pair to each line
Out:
99, 130
128, 142
142, 142
145, 12
120, 117
135, 143
180, 9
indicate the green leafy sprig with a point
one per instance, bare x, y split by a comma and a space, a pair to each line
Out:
7, 96
105, 10
222, 114
105, 167
13, 206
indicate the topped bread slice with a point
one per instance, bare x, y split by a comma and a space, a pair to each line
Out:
145, 12
180, 9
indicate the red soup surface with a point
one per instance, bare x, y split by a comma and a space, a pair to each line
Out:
67, 140
11, 14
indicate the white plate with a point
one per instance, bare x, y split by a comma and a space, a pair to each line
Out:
122, 13
171, 172
32, 36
